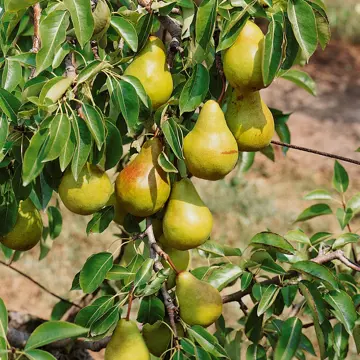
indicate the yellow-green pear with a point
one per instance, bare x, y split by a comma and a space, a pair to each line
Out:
119, 211
243, 60
210, 148
27, 230
158, 336
126, 343
89, 193
143, 187
250, 120
150, 67
129, 252
199, 302
187, 221
181, 260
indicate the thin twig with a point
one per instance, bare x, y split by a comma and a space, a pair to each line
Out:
39, 285
130, 301
36, 37
321, 259
317, 152
168, 301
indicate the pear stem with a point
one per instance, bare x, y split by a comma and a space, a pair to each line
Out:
131, 297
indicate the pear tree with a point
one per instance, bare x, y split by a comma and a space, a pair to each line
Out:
109, 109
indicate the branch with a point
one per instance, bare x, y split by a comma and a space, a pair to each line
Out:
169, 304
321, 259
36, 37
317, 152
39, 285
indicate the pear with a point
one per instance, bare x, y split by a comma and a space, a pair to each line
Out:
243, 60
143, 187
199, 302
119, 212
150, 67
180, 259
89, 193
158, 336
250, 120
27, 230
187, 221
210, 148
126, 343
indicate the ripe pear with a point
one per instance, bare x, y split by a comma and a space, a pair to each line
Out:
126, 343
150, 67
181, 260
89, 193
199, 302
143, 187
27, 230
250, 120
243, 60
187, 222
120, 213
210, 148
158, 336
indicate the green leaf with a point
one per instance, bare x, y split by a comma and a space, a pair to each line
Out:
68, 151
166, 164
224, 275
82, 19
315, 315
344, 217
267, 298
94, 271
289, 339
273, 44
52, 331
268, 240
218, 250
341, 341
298, 236
33, 165
195, 89
92, 69
105, 322
254, 326
255, 352
118, 272
291, 47
207, 341
95, 122
16, 5
143, 275
354, 203
246, 160
318, 195
143, 28
135, 82
271, 266
126, 30
4, 130
60, 130
3, 320
288, 293
12, 75
301, 79
55, 221
101, 220
52, 34
83, 146
345, 239
323, 29
314, 211
205, 22
173, 136
114, 149
151, 310
317, 271
8, 211
9, 104
340, 178
246, 279
302, 18
59, 310
344, 308
37, 354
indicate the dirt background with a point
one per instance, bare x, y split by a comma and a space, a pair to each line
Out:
269, 196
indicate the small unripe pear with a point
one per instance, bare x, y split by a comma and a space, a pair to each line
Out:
199, 302
27, 230
89, 193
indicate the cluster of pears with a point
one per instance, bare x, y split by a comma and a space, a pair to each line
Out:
247, 116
